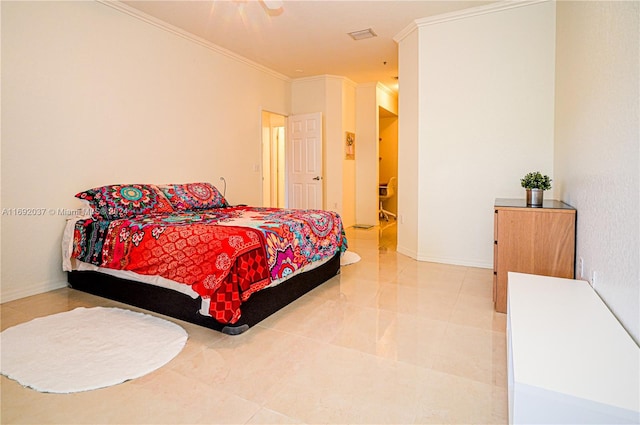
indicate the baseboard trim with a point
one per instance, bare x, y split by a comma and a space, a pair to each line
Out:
443, 260
12, 294
456, 262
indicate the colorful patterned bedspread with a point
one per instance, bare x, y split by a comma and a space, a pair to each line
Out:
223, 254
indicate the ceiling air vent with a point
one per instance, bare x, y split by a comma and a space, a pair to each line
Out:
362, 34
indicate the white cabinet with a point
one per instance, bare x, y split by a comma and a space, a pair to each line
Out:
569, 359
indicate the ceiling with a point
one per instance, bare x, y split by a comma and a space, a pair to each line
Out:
304, 38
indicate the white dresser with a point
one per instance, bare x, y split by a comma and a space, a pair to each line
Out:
569, 359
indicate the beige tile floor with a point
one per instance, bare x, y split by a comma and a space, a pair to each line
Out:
389, 340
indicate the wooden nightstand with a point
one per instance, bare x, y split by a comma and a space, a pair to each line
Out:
530, 240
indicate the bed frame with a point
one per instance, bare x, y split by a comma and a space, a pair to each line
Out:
180, 306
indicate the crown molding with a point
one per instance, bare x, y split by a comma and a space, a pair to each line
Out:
135, 13
378, 86
463, 14
324, 77
386, 89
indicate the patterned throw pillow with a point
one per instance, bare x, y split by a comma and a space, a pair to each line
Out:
126, 200
193, 196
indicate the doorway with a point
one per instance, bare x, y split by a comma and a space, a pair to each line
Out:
292, 161
388, 168
273, 160
388, 153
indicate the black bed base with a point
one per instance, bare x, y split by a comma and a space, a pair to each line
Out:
180, 306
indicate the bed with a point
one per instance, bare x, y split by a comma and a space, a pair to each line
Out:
181, 250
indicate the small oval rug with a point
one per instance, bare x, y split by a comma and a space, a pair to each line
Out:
349, 257
88, 348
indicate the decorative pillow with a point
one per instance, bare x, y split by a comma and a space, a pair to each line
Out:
126, 200
193, 196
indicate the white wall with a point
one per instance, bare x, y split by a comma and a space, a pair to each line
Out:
408, 145
93, 96
334, 144
597, 147
348, 212
485, 87
367, 154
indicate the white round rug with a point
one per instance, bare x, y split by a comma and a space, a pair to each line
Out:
88, 348
349, 257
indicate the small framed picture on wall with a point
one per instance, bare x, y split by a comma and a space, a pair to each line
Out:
350, 146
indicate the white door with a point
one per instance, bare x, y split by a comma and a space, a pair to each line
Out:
304, 161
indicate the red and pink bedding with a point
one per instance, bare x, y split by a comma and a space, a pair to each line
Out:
187, 233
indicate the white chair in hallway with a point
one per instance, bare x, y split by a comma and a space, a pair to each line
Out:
385, 193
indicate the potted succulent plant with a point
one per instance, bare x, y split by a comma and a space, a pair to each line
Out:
535, 184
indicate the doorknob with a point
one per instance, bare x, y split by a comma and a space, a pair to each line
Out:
317, 178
